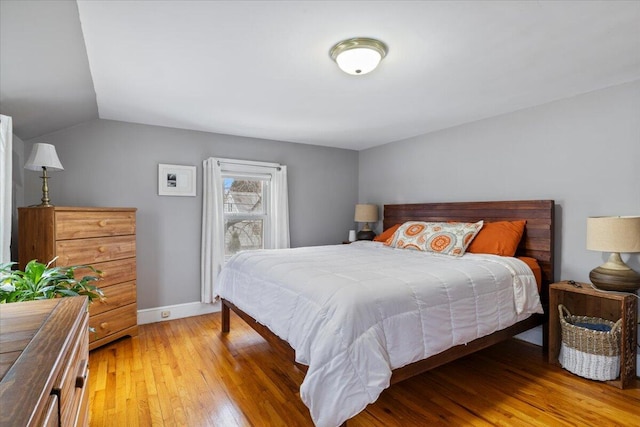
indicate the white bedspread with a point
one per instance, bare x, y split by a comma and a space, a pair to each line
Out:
352, 313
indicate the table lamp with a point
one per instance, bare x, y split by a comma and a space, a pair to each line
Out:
43, 156
614, 234
366, 214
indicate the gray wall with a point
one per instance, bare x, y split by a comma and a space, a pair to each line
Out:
583, 152
46, 81
110, 163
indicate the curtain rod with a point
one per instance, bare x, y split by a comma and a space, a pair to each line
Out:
249, 163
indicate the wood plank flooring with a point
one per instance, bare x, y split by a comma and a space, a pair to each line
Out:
184, 372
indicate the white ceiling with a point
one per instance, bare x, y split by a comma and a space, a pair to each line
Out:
262, 68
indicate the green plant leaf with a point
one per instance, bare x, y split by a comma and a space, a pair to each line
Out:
40, 281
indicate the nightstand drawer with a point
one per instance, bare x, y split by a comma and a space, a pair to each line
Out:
84, 224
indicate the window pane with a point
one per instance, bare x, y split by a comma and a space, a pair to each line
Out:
241, 235
243, 195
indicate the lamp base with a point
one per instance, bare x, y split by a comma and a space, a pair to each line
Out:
45, 189
615, 280
366, 235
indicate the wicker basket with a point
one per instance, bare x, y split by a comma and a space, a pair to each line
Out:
589, 353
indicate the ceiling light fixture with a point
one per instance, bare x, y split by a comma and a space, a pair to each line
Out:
359, 55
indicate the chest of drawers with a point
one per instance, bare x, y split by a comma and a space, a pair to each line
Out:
104, 238
44, 370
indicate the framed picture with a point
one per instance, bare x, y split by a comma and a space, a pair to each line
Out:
176, 180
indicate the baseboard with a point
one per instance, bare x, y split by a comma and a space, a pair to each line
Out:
178, 311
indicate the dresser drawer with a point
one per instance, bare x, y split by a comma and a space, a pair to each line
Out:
84, 224
111, 272
115, 296
91, 251
74, 375
50, 413
82, 402
110, 322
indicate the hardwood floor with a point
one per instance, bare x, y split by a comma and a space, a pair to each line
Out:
184, 372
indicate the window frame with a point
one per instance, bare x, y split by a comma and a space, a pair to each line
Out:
250, 171
263, 215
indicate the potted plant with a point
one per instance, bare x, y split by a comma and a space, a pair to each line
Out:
40, 281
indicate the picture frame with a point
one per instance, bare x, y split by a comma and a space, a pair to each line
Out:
176, 180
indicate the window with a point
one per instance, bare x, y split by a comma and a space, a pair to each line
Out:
244, 207
245, 215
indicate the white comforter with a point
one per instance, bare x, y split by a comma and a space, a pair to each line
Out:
352, 313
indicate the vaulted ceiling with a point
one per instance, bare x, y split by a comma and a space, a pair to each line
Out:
262, 68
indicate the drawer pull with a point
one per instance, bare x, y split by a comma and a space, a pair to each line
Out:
102, 223
104, 325
81, 378
101, 249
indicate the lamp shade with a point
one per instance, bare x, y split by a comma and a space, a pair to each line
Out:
43, 155
366, 213
613, 233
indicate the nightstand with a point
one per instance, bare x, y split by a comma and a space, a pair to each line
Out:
586, 301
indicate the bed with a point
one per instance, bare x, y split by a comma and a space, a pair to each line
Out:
342, 327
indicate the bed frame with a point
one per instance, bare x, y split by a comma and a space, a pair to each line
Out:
537, 242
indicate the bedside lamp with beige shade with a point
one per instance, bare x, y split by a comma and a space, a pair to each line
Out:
366, 214
615, 234
44, 157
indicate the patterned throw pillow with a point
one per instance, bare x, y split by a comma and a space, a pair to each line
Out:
440, 237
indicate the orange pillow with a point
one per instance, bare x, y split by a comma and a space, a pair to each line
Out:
386, 233
498, 238
535, 267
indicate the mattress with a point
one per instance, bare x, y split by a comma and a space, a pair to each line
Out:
353, 313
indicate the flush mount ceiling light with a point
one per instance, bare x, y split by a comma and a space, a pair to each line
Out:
359, 55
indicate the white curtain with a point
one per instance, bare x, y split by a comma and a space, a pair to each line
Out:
280, 209
6, 180
212, 228
212, 258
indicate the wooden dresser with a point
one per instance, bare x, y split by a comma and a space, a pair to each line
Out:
104, 238
44, 354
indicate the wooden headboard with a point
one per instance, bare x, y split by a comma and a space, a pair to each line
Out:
538, 239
